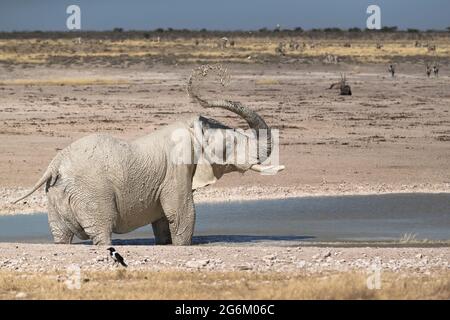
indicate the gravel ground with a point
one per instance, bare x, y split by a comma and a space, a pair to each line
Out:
48, 257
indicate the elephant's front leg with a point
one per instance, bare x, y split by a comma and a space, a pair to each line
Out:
180, 212
161, 231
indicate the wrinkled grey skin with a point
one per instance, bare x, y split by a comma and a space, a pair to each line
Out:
99, 184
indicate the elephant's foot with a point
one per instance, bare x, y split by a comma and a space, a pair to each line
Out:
182, 240
98, 227
61, 234
102, 239
59, 238
161, 231
183, 230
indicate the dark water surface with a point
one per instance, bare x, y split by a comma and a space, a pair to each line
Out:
337, 218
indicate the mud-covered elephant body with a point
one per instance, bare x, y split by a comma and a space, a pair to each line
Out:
101, 185
107, 185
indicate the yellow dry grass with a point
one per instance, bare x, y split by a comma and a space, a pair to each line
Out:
36, 51
125, 284
367, 52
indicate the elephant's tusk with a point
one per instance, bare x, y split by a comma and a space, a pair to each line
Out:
267, 169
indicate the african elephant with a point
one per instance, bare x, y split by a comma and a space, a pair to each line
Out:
100, 184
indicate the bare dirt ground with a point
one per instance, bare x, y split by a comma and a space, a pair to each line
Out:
392, 135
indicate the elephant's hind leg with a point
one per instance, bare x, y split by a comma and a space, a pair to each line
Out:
60, 231
98, 226
97, 218
161, 231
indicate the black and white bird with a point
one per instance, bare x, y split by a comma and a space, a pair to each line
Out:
116, 256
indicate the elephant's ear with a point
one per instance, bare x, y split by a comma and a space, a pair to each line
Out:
205, 174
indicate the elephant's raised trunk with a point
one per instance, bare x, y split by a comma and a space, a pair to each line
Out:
254, 120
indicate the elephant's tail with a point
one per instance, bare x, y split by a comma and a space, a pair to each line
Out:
47, 176
51, 174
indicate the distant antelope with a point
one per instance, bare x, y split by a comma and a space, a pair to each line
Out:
432, 48
331, 59
280, 49
292, 45
428, 70
379, 46
223, 42
391, 69
345, 89
436, 70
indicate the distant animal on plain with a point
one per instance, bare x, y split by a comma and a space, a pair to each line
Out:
331, 59
428, 70
294, 45
222, 44
391, 69
436, 70
280, 49
345, 89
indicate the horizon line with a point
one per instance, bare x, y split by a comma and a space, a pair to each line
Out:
259, 30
